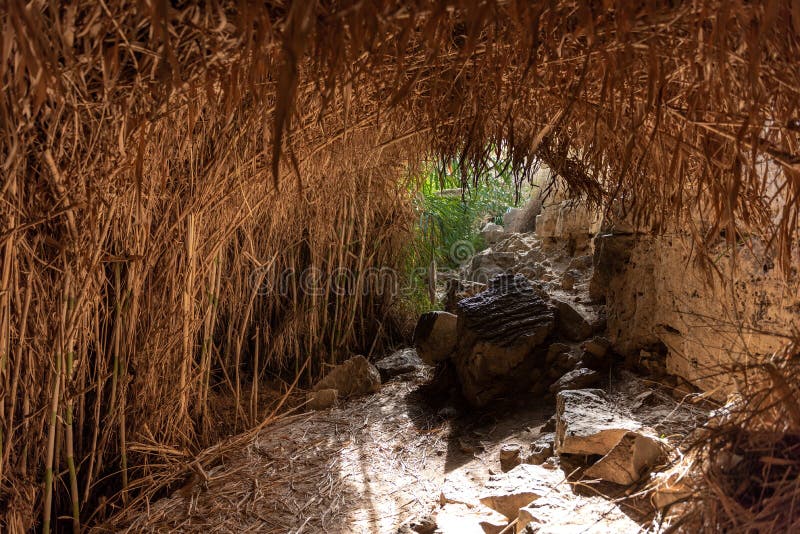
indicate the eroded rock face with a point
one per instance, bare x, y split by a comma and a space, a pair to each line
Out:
435, 336
657, 294
497, 331
356, 376
568, 220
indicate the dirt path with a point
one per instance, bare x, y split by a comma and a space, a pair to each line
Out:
378, 463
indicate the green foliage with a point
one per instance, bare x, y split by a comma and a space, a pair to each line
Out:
447, 231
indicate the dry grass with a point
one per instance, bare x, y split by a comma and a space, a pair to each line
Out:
154, 158
748, 457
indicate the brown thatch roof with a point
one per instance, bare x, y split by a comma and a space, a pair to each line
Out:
155, 156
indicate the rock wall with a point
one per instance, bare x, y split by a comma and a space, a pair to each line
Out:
656, 293
662, 305
570, 220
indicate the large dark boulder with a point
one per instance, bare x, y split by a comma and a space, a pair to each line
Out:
499, 330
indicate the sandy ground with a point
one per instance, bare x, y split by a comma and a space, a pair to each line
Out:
380, 463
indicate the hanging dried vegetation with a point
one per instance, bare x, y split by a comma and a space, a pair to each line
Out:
164, 162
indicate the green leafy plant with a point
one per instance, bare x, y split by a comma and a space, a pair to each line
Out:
449, 219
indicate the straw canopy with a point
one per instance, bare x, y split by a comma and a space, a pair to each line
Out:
156, 155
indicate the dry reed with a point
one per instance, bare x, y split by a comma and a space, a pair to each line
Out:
161, 163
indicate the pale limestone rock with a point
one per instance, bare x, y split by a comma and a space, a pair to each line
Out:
587, 424
509, 492
463, 519
435, 336
492, 233
626, 463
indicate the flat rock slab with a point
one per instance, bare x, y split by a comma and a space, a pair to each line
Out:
399, 362
508, 492
587, 424
564, 513
576, 379
458, 489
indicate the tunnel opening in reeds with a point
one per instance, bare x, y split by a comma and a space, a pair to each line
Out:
165, 165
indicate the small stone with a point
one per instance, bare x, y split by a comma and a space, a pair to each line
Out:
321, 399
551, 463
425, 525
541, 449
598, 346
509, 457
568, 280
398, 363
355, 376
576, 379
